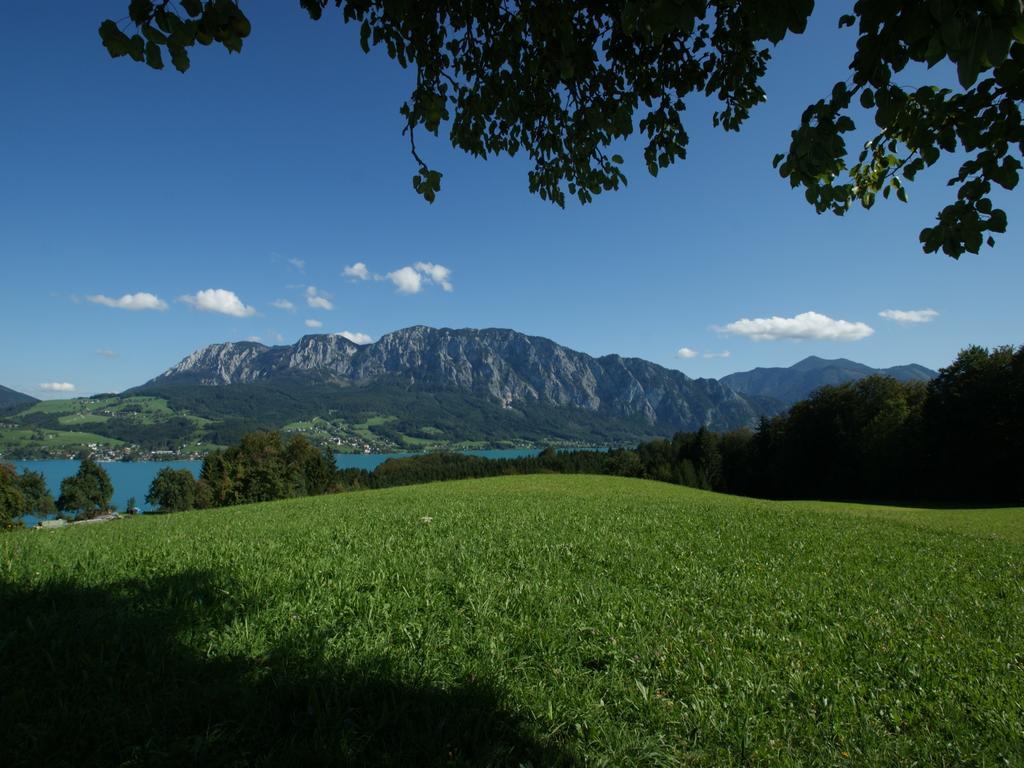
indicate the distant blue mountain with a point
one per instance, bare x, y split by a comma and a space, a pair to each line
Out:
790, 385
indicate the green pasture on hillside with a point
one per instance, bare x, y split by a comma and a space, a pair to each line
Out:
539, 620
13, 440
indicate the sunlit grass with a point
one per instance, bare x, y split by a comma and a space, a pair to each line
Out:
543, 619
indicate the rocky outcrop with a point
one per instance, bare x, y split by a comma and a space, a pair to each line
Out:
510, 367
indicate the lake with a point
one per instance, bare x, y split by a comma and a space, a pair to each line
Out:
132, 478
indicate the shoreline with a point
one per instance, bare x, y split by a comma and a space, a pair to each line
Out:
145, 458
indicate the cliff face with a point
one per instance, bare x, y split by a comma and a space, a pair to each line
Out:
510, 367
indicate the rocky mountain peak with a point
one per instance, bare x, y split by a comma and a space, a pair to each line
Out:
504, 365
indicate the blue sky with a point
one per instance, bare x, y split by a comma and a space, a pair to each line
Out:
268, 173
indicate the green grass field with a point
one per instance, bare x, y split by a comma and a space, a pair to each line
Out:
68, 424
542, 620
148, 410
13, 440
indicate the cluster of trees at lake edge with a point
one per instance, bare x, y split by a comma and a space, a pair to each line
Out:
262, 467
85, 494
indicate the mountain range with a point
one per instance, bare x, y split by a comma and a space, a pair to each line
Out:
790, 385
509, 369
424, 387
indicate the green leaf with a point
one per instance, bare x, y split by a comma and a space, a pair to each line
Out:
242, 25
967, 70
114, 40
154, 35
997, 220
999, 45
885, 114
952, 32
153, 57
136, 47
179, 57
140, 10
364, 37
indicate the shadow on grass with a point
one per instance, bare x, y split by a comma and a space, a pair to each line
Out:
113, 677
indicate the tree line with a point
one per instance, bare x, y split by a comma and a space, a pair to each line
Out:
85, 494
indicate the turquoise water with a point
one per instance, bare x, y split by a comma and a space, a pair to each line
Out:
132, 478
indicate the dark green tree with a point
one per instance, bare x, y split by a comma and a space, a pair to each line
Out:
974, 422
566, 82
215, 485
38, 499
312, 471
172, 490
259, 469
709, 459
12, 500
88, 491
262, 467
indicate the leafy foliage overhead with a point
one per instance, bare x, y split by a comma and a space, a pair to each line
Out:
564, 82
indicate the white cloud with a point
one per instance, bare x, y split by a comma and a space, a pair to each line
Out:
725, 353
406, 280
254, 338
909, 315
314, 324
57, 386
357, 271
317, 300
411, 279
356, 337
133, 301
283, 304
221, 301
807, 325
108, 353
437, 274
299, 264
686, 353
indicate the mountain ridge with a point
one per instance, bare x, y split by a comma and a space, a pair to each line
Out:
796, 382
417, 388
513, 368
516, 370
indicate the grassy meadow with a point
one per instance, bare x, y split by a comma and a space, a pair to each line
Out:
532, 620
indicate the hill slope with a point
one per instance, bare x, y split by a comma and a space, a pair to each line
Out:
549, 620
12, 400
790, 385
